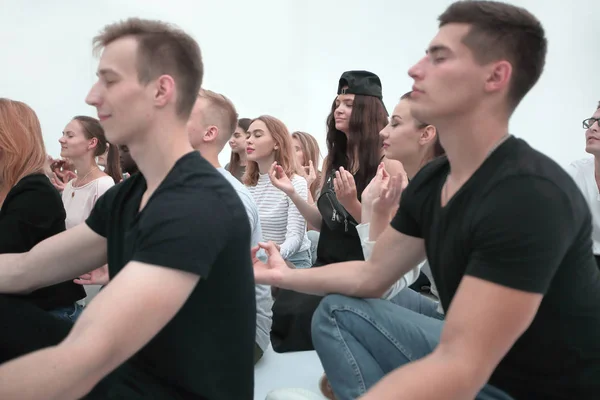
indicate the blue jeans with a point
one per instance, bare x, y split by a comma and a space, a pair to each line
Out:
418, 303
301, 259
68, 313
359, 341
313, 236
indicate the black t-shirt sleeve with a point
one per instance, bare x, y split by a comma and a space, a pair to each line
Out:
98, 219
521, 233
405, 221
184, 231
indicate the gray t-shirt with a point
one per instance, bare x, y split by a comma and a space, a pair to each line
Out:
264, 300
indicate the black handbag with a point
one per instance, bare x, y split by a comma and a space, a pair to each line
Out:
334, 214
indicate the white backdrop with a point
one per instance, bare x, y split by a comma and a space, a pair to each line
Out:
284, 57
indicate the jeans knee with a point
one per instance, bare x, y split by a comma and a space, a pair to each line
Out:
322, 319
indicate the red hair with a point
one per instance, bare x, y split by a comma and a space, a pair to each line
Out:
21, 142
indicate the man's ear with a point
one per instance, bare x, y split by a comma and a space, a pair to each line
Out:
211, 134
164, 90
499, 76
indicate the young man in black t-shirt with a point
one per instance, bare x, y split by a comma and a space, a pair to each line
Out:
177, 320
505, 230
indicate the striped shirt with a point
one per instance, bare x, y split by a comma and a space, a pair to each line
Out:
281, 221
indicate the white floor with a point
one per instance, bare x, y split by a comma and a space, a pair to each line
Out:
287, 370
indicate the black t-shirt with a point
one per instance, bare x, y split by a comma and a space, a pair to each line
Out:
32, 212
193, 222
520, 221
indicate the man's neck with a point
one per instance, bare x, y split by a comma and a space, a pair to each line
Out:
469, 143
156, 153
210, 155
597, 167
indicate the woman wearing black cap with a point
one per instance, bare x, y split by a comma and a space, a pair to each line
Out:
354, 153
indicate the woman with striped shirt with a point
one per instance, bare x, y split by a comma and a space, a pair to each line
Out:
269, 142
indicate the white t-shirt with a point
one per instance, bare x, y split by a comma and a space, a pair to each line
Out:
79, 201
582, 171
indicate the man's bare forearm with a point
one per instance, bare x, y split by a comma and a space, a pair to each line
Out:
348, 278
57, 259
51, 373
432, 377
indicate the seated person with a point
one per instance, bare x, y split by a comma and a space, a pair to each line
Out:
586, 173
128, 166
504, 228
30, 207
211, 123
269, 144
177, 320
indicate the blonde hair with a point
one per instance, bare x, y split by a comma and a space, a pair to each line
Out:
310, 150
21, 142
222, 113
284, 154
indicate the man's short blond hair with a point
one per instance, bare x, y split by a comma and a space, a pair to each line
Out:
220, 112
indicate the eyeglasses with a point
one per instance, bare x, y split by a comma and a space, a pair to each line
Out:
588, 123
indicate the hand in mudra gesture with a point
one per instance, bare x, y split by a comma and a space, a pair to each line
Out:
280, 180
63, 171
310, 174
274, 270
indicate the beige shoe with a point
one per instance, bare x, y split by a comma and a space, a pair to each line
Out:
325, 388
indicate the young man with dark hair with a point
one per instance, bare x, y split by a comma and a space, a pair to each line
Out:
506, 232
177, 319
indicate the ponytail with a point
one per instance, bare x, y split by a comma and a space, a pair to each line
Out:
113, 164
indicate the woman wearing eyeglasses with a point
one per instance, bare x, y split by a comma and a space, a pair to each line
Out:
586, 173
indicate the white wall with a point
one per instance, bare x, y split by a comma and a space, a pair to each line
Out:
284, 57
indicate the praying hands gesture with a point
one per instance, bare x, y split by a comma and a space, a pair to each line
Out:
381, 199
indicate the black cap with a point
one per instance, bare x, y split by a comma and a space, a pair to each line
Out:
364, 83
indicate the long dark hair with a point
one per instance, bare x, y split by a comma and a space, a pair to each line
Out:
360, 151
93, 129
234, 160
